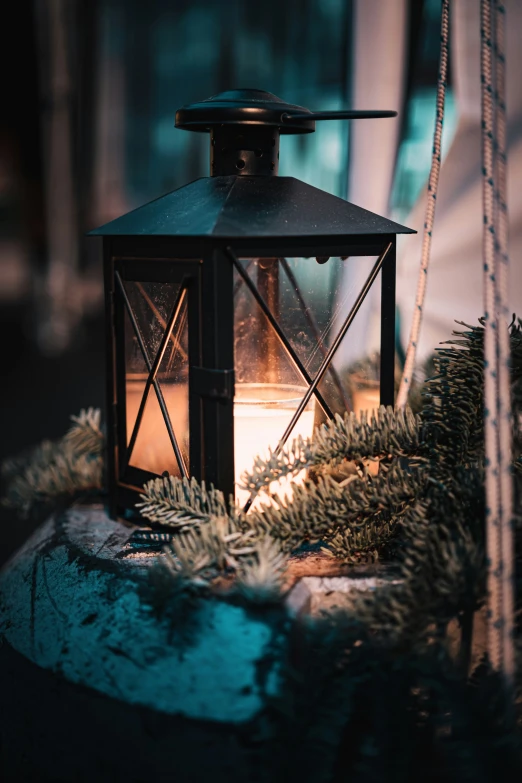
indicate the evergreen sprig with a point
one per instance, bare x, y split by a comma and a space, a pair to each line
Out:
380, 687
426, 504
62, 468
178, 503
326, 510
213, 539
220, 545
385, 435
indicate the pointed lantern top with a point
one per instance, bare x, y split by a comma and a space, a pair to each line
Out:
243, 197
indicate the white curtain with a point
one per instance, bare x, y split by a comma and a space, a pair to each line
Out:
455, 274
378, 67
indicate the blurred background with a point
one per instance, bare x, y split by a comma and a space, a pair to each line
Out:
92, 89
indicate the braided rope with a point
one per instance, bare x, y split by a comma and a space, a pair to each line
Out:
433, 183
497, 405
495, 643
504, 395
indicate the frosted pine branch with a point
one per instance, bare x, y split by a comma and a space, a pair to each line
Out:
178, 503
350, 438
66, 467
260, 576
85, 435
319, 511
197, 555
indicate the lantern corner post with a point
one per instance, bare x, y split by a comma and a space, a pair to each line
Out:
388, 324
111, 443
213, 382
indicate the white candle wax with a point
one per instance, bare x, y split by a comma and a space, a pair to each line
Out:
153, 449
262, 413
256, 428
368, 399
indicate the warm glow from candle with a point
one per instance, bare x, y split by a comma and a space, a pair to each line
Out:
153, 450
367, 398
261, 415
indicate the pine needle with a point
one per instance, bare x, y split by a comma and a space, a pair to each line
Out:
63, 468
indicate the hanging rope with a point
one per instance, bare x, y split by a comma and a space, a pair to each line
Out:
497, 402
433, 183
504, 393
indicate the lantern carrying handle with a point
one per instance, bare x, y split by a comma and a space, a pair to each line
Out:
348, 114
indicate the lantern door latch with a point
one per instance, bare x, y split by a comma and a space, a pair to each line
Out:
212, 384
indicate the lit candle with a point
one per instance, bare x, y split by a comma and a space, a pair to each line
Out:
366, 397
153, 449
262, 413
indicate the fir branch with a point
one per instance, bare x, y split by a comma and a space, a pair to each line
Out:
385, 435
218, 546
85, 435
362, 545
327, 510
178, 503
64, 468
427, 499
454, 412
187, 560
260, 577
441, 565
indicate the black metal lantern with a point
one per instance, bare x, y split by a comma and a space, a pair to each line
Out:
203, 370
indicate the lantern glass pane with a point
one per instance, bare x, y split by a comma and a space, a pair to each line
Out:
153, 450
309, 302
153, 305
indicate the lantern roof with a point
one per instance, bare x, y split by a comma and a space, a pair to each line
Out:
244, 197
249, 206
251, 107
